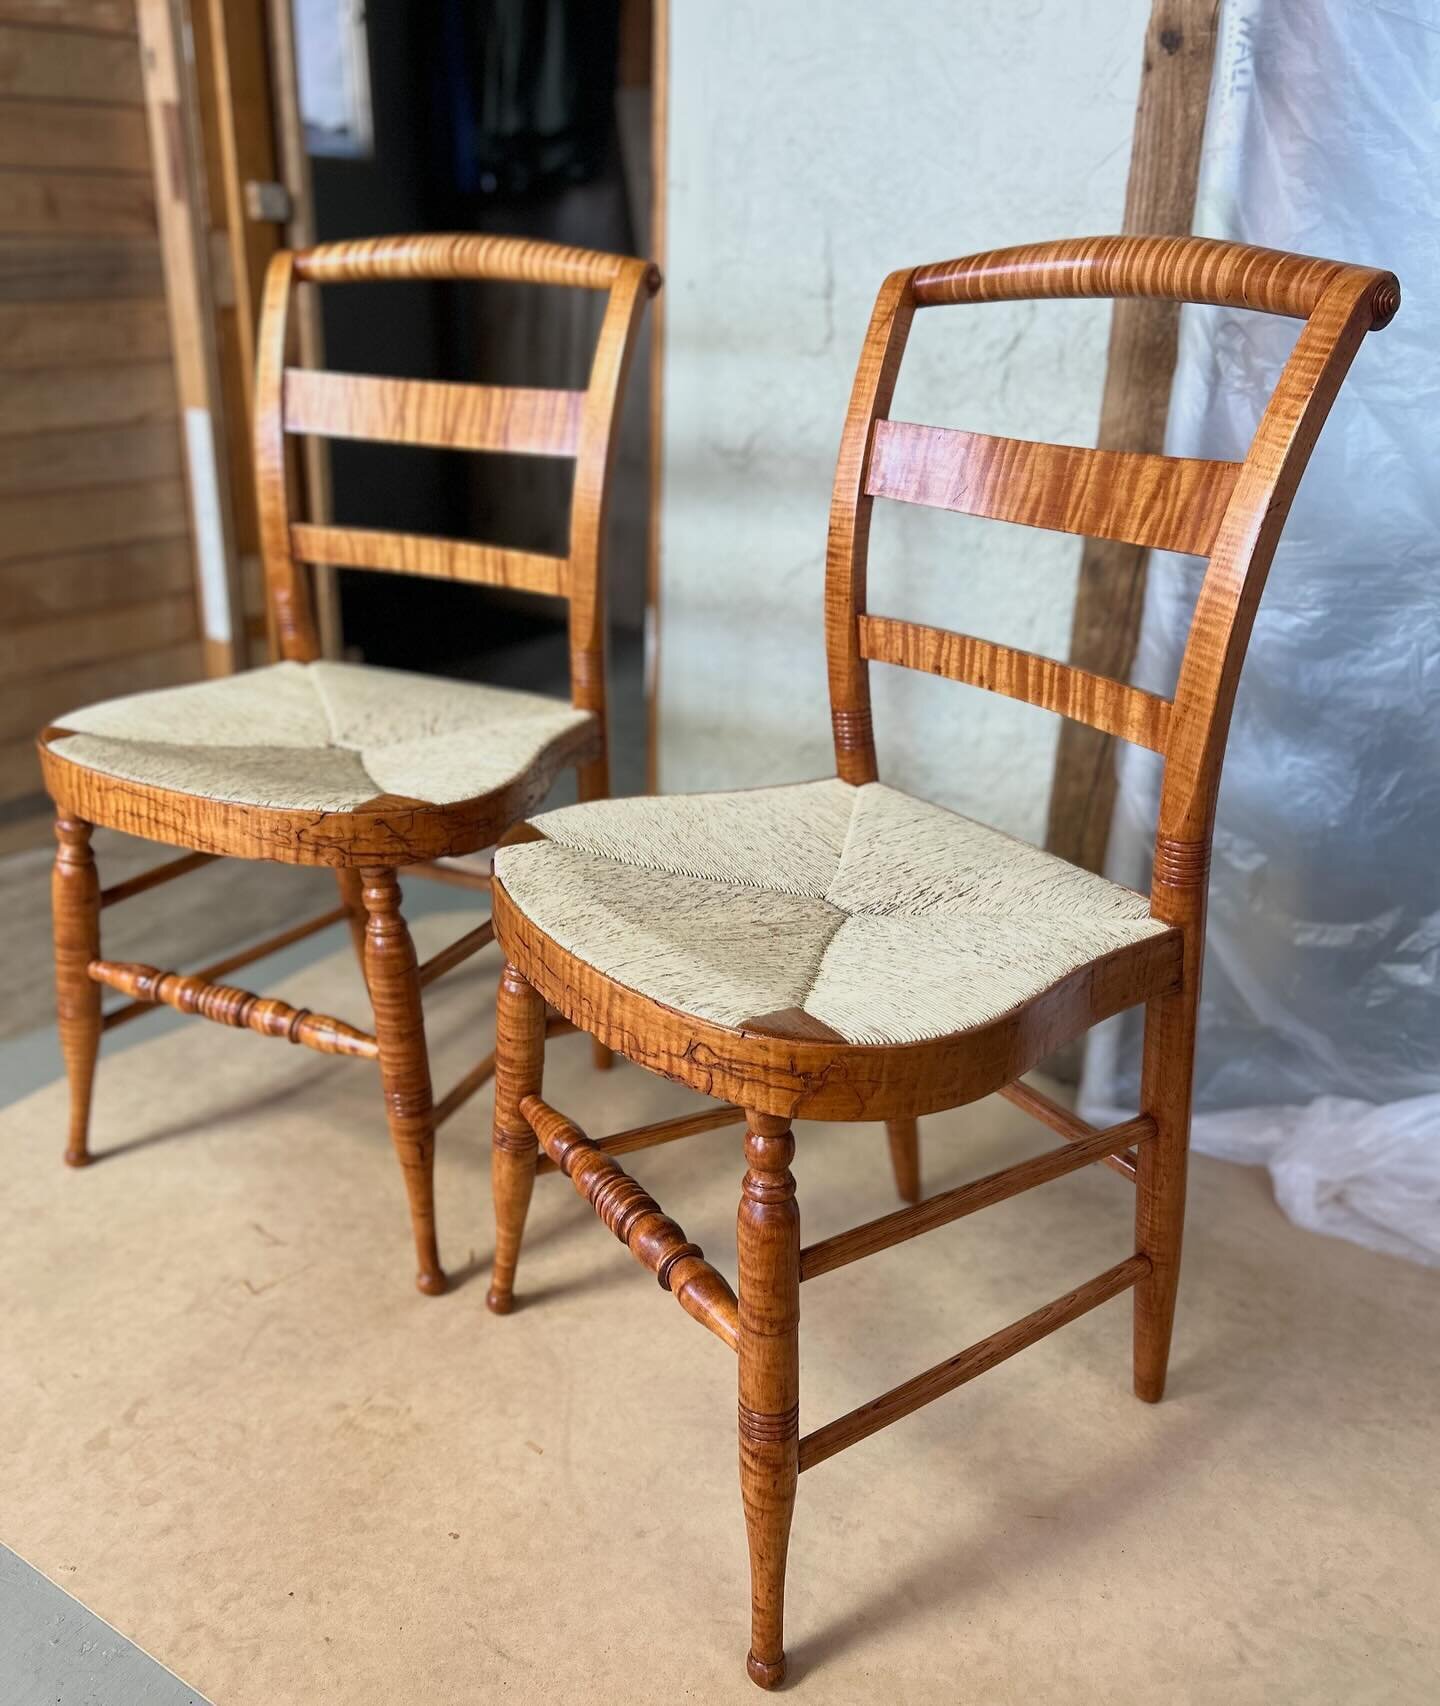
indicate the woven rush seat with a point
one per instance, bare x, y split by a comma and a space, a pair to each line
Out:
819, 910
321, 737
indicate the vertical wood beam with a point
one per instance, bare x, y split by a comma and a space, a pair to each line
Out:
175, 149
659, 155
1159, 201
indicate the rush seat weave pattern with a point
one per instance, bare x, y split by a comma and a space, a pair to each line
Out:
819, 909
318, 736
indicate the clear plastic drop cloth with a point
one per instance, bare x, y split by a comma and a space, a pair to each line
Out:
1319, 1049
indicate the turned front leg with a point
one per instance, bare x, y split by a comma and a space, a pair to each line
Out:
392, 974
519, 1065
769, 1247
75, 900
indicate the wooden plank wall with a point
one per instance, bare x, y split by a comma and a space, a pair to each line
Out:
97, 585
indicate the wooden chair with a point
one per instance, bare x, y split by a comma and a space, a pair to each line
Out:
369, 771
837, 950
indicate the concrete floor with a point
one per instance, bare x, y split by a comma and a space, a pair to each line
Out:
55, 1652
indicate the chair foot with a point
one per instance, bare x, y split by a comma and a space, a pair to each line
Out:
78, 1157
499, 1302
766, 1675
432, 1282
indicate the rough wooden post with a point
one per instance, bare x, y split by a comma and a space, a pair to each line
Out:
1144, 339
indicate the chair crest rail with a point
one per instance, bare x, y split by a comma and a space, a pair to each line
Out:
655, 1240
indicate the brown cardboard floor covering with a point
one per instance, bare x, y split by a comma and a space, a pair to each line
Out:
233, 1429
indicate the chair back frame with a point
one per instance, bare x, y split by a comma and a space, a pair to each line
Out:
578, 424
1232, 513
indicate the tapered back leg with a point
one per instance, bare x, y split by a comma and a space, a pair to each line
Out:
904, 1138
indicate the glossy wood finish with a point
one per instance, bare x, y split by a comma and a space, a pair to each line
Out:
519, 1072
223, 1004
662, 1131
75, 898
998, 1187
904, 1140
768, 1239
1236, 511
1067, 1123
367, 845
426, 411
798, 1078
394, 982
655, 1240
1170, 502
986, 1353
231, 962
1120, 710
432, 558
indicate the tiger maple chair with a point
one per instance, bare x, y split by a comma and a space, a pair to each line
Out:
836, 950
369, 771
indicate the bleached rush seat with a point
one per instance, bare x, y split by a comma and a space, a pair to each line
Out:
824, 911
369, 771
837, 950
328, 737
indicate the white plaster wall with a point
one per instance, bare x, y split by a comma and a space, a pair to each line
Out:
813, 148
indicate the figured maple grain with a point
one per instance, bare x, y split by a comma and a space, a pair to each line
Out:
1128, 712
795, 1070
1171, 502
432, 412
367, 844
431, 557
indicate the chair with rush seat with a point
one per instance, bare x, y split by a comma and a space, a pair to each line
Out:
369, 771
839, 950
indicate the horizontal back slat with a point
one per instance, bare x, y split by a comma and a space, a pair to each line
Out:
1169, 502
433, 558
431, 412
1113, 706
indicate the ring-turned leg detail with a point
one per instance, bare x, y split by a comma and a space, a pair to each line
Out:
75, 900
519, 1066
769, 1248
392, 975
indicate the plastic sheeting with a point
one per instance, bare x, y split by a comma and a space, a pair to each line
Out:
1320, 1024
